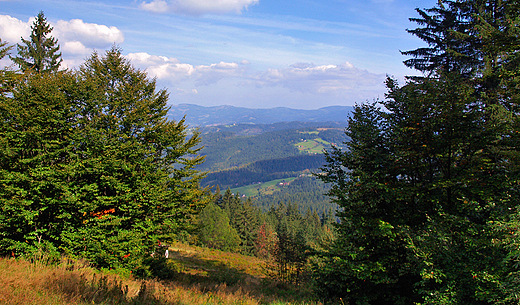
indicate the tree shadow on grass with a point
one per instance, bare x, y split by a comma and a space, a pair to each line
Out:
97, 289
196, 270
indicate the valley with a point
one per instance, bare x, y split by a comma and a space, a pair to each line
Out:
270, 163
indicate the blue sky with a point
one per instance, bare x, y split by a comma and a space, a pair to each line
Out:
302, 54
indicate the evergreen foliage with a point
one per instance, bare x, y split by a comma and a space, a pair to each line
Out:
91, 166
264, 171
428, 186
7, 76
227, 149
40, 53
284, 236
215, 230
308, 192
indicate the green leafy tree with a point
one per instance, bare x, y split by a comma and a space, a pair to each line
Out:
40, 53
91, 165
215, 230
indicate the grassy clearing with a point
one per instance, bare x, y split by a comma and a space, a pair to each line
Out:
208, 277
315, 146
265, 188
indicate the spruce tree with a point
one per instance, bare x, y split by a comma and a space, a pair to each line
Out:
7, 76
90, 165
428, 187
215, 230
40, 52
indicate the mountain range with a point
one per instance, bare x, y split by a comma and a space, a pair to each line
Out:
198, 116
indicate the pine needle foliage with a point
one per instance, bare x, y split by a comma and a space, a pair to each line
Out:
40, 52
90, 166
428, 186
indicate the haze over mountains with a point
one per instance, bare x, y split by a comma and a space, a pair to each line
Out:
224, 115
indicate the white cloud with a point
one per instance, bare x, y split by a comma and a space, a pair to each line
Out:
197, 7
157, 6
91, 35
11, 29
76, 38
304, 78
181, 91
75, 47
309, 78
171, 69
162, 67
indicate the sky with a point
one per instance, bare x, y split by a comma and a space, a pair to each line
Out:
303, 54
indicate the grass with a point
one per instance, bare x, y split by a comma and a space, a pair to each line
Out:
208, 277
314, 146
265, 188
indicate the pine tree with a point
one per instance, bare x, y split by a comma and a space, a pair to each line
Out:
427, 188
90, 164
40, 53
6, 75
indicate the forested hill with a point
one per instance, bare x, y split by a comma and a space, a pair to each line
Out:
268, 162
265, 170
225, 115
226, 149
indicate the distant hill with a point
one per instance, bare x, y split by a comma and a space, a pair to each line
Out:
267, 154
264, 171
245, 129
226, 149
224, 115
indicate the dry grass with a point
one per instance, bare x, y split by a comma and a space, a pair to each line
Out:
204, 281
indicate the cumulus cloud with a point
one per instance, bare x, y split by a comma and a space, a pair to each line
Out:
303, 78
309, 78
91, 35
74, 47
12, 29
77, 39
170, 69
197, 7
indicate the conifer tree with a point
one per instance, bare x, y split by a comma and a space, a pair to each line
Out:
245, 221
6, 75
428, 188
215, 230
90, 165
40, 52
